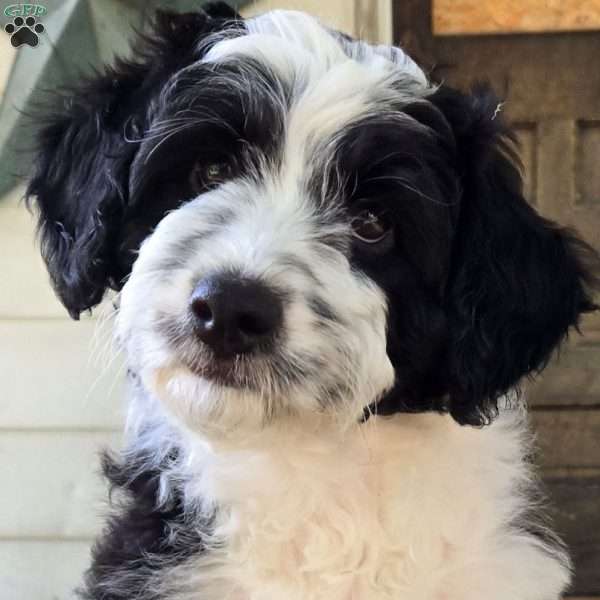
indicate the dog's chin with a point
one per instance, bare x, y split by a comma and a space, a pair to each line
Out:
206, 402
208, 393
224, 372
213, 400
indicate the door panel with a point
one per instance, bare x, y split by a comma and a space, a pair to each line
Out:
576, 517
451, 17
551, 86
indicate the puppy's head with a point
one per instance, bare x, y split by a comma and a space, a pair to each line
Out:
301, 223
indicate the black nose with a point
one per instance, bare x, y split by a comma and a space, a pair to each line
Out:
234, 315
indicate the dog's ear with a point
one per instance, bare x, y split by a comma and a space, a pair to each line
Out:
518, 282
86, 145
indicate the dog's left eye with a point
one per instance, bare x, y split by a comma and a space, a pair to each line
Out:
371, 225
204, 176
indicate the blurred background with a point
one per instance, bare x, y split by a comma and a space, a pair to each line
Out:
60, 386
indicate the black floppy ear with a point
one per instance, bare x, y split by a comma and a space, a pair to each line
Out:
518, 282
85, 148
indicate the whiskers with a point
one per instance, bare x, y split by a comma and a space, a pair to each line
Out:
102, 347
104, 355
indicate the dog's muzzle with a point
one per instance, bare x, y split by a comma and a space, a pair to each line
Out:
235, 315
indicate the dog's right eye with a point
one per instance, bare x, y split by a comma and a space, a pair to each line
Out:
371, 225
205, 176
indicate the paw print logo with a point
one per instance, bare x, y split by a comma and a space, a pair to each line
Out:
24, 31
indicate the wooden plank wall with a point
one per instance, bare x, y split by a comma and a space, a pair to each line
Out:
560, 158
568, 438
551, 86
59, 404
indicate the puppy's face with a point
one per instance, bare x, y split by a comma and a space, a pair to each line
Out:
301, 193
302, 228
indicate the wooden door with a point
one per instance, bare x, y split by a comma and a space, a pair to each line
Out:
551, 84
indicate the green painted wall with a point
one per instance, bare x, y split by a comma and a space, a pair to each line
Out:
79, 35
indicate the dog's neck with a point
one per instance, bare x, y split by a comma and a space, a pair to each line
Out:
405, 506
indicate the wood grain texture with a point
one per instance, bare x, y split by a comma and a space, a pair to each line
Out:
576, 515
452, 17
527, 136
571, 378
586, 164
568, 438
551, 86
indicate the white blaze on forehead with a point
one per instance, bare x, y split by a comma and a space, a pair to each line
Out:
298, 48
255, 223
332, 81
291, 43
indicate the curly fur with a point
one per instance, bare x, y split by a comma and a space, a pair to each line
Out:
304, 476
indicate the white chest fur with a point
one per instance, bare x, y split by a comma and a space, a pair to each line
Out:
401, 508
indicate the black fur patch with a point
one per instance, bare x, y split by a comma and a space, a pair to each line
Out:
480, 288
141, 537
81, 176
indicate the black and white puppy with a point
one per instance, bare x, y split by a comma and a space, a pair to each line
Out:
330, 282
